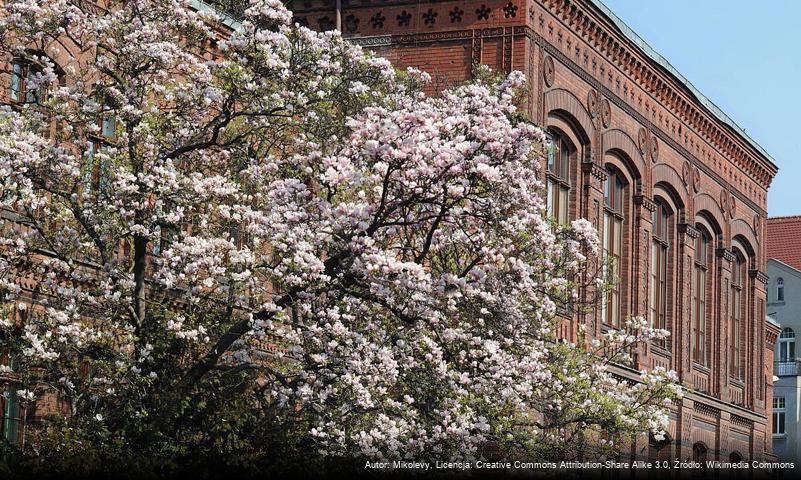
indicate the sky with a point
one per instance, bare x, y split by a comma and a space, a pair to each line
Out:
745, 57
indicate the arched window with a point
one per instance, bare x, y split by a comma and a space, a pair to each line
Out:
699, 289
787, 345
660, 246
780, 289
736, 310
614, 217
559, 178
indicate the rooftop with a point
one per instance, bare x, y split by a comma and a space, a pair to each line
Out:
784, 240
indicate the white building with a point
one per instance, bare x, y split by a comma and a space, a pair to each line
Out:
783, 238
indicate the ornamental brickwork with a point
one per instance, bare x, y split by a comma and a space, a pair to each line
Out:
624, 115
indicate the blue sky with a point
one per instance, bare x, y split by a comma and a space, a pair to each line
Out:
745, 56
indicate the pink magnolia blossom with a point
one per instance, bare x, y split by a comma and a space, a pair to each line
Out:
290, 186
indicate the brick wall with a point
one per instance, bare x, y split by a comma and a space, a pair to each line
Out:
618, 107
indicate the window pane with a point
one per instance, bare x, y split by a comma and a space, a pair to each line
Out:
653, 286
11, 417
109, 125
563, 205
31, 94
16, 81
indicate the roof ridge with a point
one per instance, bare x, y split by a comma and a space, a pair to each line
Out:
783, 217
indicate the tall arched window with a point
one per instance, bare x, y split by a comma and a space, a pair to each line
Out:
658, 288
559, 178
736, 309
614, 216
699, 290
787, 345
780, 289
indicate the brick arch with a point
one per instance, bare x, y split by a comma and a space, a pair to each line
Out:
560, 101
741, 228
704, 202
667, 175
618, 140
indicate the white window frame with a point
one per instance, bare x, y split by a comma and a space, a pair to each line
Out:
779, 416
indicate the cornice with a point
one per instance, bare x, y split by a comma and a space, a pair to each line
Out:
667, 138
633, 112
661, 88
597, 31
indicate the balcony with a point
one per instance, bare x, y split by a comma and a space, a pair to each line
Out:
787, 369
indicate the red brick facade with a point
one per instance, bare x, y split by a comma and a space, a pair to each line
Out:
623, 111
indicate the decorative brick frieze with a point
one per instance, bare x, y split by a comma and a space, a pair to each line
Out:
599, 34
646, 202
726, 254
597, 171
759, 276
689, 230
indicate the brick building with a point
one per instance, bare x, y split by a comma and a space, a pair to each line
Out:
675, 187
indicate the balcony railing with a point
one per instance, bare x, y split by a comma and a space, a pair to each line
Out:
787, 368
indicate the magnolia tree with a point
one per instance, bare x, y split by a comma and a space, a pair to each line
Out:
248, 241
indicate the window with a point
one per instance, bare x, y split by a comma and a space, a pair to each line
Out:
96, 167
698, 301
779, 415
9, 404
11, 416
559, 179
780, 289
6, 189
16, 80
658, 287
94, 170
787, 345
163, 240
736, 310
613, 246
23, 77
